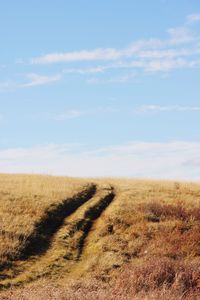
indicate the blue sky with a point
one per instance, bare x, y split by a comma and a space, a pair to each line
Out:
100, 88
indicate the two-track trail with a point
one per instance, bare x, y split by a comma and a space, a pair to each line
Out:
67, 244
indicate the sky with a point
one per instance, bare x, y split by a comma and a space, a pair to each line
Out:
100, 88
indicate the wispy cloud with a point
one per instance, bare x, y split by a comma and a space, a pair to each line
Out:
172, 160
114, 79
36, 79
149, 62
86, 70
150, 108
67, 115
33, 81
164, 65
170, 108
180, 35
180, 49
194, 18
83, 55
170, 53
177, 36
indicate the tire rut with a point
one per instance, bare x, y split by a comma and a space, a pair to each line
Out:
39, 242
79, 229
67, 239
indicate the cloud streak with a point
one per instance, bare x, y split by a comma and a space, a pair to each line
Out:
83, 55
194, 18
180, 49
67, 115
177, 36
172, 160
36, 79
170, 108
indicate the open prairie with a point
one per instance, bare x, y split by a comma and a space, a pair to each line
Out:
68, 238
100, 150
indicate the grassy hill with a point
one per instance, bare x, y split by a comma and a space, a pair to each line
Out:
67, 238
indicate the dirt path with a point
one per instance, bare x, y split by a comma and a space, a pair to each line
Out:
65, 245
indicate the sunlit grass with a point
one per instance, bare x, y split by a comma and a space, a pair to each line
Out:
23, 202
147, 225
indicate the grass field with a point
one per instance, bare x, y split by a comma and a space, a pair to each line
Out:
67, 238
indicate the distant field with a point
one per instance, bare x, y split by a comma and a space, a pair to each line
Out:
65, 238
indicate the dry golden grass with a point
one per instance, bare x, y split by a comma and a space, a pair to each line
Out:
144, 242
130, 231
24, 200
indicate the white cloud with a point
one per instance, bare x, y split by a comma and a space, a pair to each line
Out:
169, 53
152, 55
69, 114
75, 113
122, 78
83, 55
180, 49
191, 19
114, 79
180, 35
90, 70
165, 65
163, 60
104, 54
173, 160
170, 108
176, 36
36, 79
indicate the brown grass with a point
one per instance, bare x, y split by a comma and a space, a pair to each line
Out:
158, 280
145, 244
24, 201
